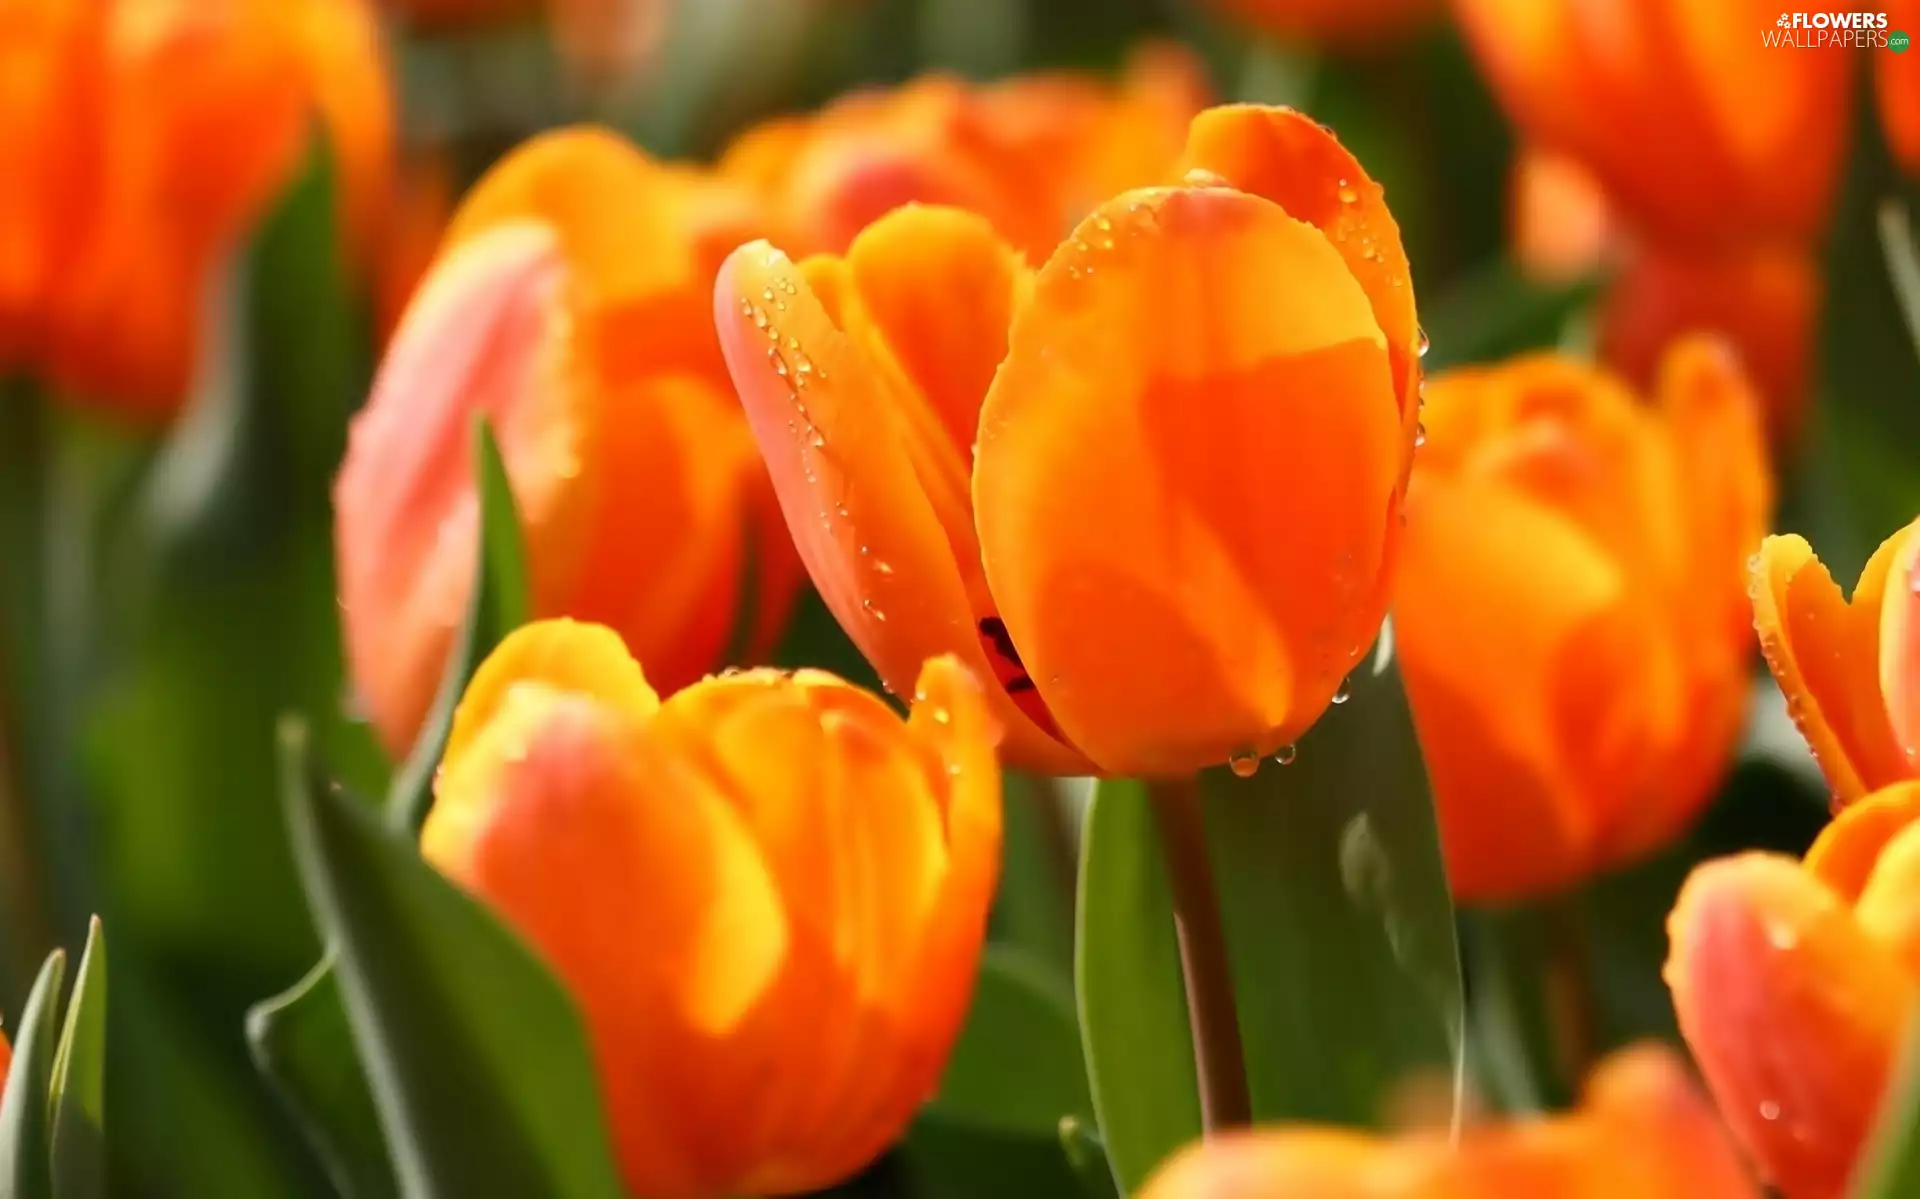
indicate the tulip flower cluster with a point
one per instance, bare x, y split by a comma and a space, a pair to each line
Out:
1097, 417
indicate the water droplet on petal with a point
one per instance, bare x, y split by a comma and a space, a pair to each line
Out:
1286, 754
766, 293
1198, 177
1419, 435
1769, 1110
1347, 194
1424, 344
1343, 692
1244, 763
885, 568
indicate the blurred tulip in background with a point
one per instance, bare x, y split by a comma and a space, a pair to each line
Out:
1643, 1130
144, 140
570, 307
767, 893
1032, 154
1793, 981
1570, 614
1341, 22
958, 478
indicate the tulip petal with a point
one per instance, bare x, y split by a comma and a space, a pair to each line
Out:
1843, 855
641, 234
1824, 652
1483, 676
1186, 479
1297, 163
1792, 1010
1889, 905
826, 415
1899, 656
1268, 1164
485, 335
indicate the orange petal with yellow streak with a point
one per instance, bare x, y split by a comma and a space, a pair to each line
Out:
484, 336
1824, 652
1491, 583
1843, 855
1299, 164
549, 805
1793, 1012
1899, 658
828, 417
642, 235
1186, 479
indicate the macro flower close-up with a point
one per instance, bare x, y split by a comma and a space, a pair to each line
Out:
959, 599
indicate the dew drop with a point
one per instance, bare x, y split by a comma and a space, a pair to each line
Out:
1424, 344
746, 306
1347, 194
766, 293
1199, 177
885, 568
1343, 692
760, 319
1419, 435
1244, 763
787, 286
942, 716
819, 442
1769, 1110
1286, 754
1103, 224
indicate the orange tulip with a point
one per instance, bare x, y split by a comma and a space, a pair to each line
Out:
145, 137
1032, 154
1643, 1131
1850, 670
571, 308
1344, 21
410, 237
1702, 135
1896, 79
1151, 489
1569, 614
1563, 226
1763, 301
767, 894
1793, 981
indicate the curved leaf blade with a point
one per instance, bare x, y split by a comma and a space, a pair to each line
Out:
1133, 1002
26, 1136
476, 1058
301, 1042
1016, 1067
79, 1079
496, 605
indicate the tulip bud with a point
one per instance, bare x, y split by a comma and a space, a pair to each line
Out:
1569, 614
767, 894
1643, 1130
570, 310
1848, 669
1792, 982
1151, 489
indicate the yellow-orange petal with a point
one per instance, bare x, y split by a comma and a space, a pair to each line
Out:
1889, 905
1843, 855
1899, 656
1187, 478
1270, 1164
1793, 1012
1824, 651
1494, 587
1562, 225
828, 424
1298, 164
1655, 1113
486, 335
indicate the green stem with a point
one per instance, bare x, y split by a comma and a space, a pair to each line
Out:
1218, 1058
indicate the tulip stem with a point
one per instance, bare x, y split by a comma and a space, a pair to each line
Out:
1218, 1060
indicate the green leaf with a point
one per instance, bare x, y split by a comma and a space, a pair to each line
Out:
476, 1056
26, 1138
1889, 1166
303, 1045
949, 1160
79, 1080
1033, 908
497, 604
1496, 312
1087, 1158
1339, 922
1133, 1003
1016, 1067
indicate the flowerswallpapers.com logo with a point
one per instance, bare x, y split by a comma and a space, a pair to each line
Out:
1833, 31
